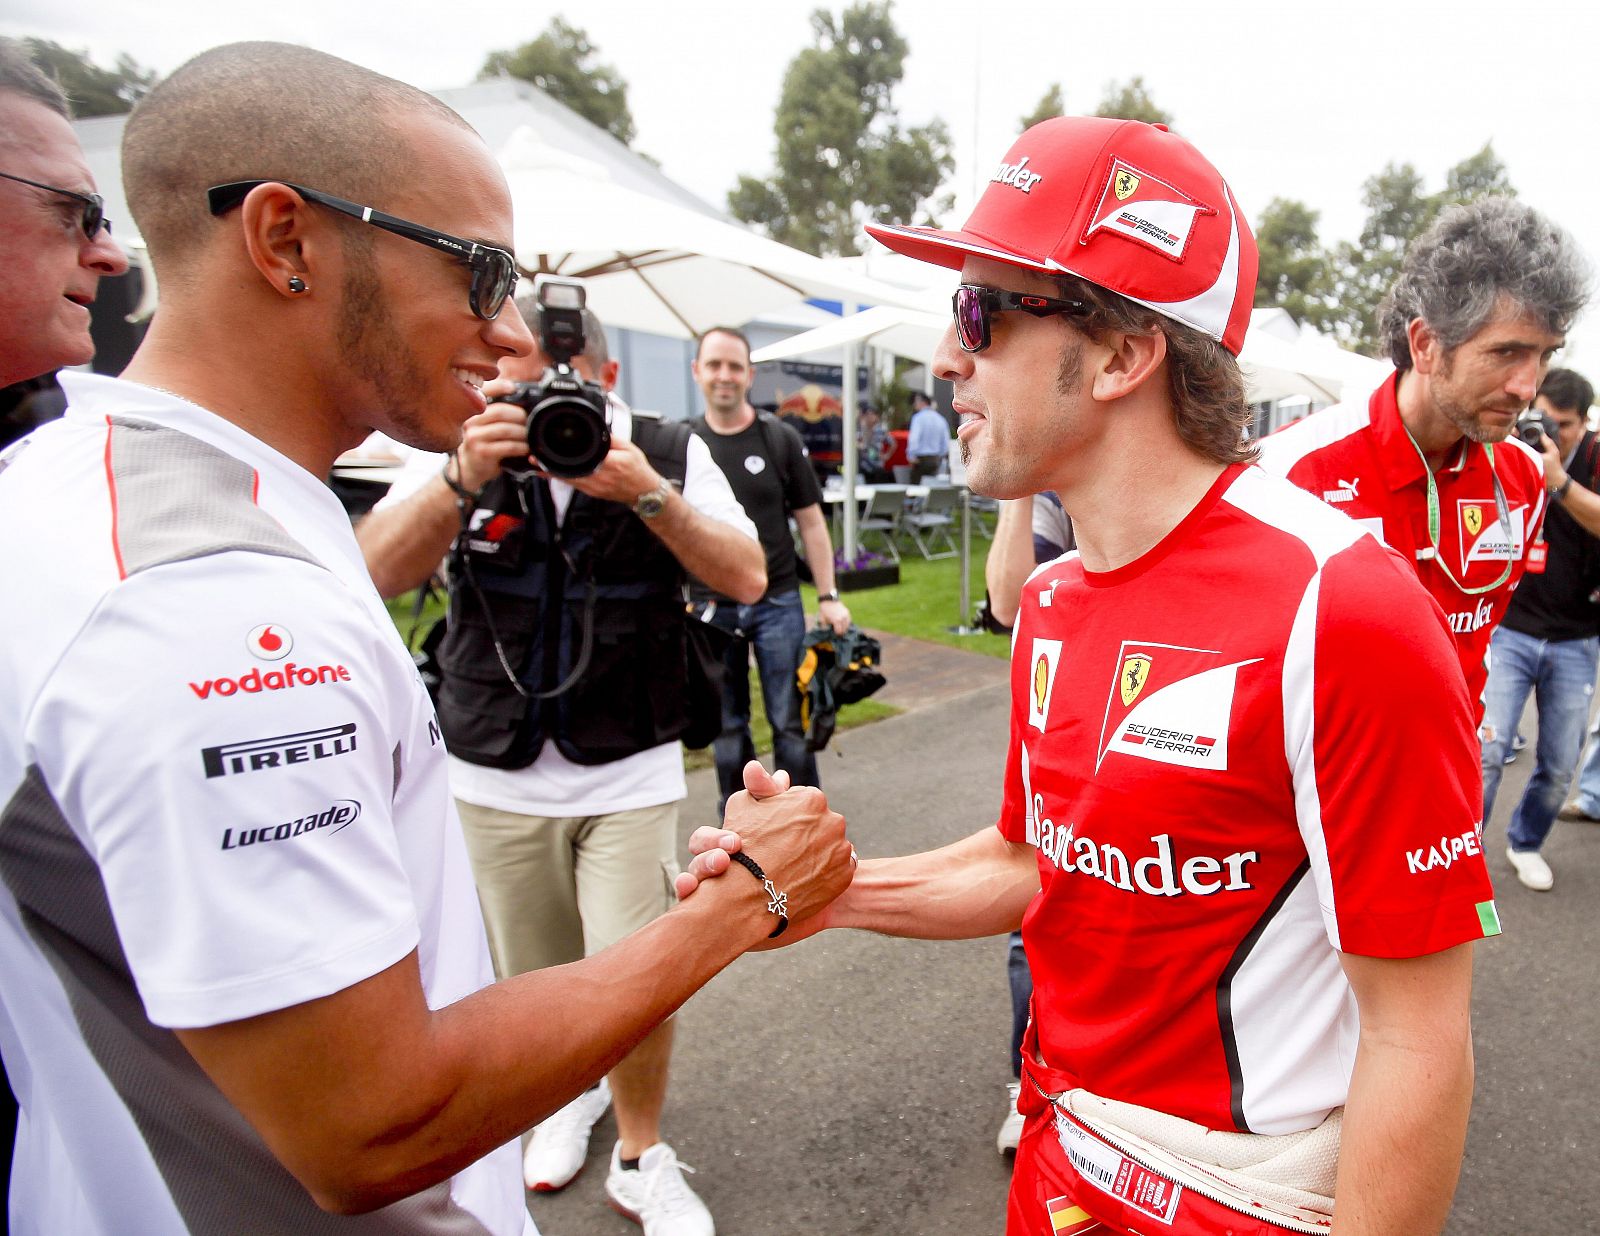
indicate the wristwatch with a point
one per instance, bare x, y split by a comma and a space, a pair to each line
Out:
827, 596
653, 501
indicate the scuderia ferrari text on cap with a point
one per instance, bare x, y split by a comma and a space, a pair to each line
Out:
1121, 203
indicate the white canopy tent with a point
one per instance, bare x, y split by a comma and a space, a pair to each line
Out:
652, 265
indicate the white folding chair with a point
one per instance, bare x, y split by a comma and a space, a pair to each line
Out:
882, 516
934, 521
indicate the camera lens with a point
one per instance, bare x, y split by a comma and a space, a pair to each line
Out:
568, 436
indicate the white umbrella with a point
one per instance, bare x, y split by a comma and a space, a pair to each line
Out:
652, 265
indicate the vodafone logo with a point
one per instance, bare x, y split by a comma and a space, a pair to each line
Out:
254, 681
270, 642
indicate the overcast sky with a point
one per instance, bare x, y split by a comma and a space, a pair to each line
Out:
1288, 99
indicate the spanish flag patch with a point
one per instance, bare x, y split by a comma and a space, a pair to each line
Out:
1067, 1219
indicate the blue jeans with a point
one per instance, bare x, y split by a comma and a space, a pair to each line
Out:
1560, 674
1588, 799
775, 628
1021, 995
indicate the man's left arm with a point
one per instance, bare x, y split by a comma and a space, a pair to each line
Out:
1581, 503
724, 558
819, 556
1405, 1123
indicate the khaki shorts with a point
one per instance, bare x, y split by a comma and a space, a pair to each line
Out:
557, 890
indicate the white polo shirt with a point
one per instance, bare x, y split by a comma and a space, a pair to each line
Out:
222, 793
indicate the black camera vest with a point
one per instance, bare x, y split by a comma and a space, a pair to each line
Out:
541, 583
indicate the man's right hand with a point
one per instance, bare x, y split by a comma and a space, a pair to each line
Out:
498, 433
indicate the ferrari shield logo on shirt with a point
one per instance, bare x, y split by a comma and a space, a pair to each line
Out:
1135, 672
1046, 654
1489, 541
1170, 704
1141, 207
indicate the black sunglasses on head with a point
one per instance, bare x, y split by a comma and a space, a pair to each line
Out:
93, 216
974, 304
494, 271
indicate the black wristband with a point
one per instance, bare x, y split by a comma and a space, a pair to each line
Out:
778, 903
1561, 491
462, 493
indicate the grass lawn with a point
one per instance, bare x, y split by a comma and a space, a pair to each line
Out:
864, 713
926, 603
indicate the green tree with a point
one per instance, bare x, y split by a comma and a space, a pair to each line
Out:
842, 153
1130, 100
94, 91
1398, 210
1479, 175
1049, 106
565, 65
1294, 267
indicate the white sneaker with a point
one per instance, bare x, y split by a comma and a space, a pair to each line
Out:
1532, 870
656, 1196
1011, 1127
561, 1144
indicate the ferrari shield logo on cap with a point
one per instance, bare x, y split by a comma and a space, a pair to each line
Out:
1135, 673
1146, 209
1472, 517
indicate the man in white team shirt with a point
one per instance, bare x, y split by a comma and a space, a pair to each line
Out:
572, 841
242, 950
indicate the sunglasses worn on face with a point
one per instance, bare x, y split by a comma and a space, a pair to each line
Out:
93, 216
494, 271
975, 304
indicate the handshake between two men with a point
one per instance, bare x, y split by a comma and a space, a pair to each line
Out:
789, 840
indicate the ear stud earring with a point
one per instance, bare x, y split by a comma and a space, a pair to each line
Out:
296, 283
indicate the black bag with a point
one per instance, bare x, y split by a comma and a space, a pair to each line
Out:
426, 654
835, 670
704, 644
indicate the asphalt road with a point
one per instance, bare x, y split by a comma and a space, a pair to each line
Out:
852, 1085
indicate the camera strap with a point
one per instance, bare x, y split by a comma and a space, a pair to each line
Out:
586, 623
1502, 513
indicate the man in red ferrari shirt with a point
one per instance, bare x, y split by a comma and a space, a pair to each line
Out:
1428, 463
1248, 910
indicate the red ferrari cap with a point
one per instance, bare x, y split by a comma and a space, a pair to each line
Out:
1121, 203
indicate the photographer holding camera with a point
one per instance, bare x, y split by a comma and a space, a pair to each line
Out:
562, 697
1549, 641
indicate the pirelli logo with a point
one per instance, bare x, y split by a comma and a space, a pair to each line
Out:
256, 754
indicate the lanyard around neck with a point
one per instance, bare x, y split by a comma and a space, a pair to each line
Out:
1502, 512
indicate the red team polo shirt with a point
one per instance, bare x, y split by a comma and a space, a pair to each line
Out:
1357, 458
1213, 750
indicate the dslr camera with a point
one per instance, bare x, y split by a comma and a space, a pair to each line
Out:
1531, 423
568, 430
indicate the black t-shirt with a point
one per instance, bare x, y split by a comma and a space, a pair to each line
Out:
1555, 604
767, 469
